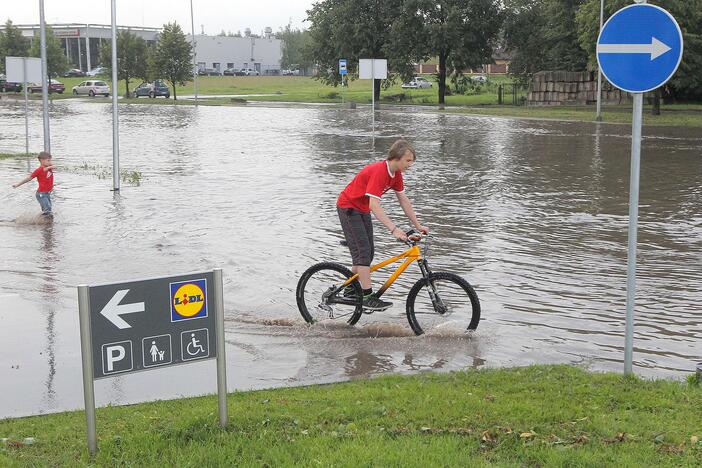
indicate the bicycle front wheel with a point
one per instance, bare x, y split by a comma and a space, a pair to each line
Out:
442, 303
320, 296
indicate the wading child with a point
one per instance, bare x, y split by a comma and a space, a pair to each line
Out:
45, 176
361, 198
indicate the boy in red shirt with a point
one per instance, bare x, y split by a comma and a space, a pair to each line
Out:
45, 176
360, 198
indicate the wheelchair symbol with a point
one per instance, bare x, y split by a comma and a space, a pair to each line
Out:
195, 344
194, 347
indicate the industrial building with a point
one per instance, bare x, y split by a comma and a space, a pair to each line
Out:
81, 42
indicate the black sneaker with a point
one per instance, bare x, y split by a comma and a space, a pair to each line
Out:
372, 303
349, 292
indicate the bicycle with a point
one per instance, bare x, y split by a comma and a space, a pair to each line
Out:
330, 291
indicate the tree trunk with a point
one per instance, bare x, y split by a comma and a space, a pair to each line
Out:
442, 77
126, 83
376, 90
175, 97
656, 110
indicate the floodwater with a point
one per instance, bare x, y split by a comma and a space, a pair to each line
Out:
533, 213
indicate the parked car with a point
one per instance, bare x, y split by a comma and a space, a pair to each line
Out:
92, 88
97, 71
8, 86
55, 86
157, 88
479, 78
233, 72
74, 72
250, 72
416, 83
208, 72
289, 72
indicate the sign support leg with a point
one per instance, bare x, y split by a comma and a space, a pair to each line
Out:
26, 111
221, 357
86, 352
633, 229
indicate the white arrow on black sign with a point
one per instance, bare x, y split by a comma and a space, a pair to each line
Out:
656, 48
113, 309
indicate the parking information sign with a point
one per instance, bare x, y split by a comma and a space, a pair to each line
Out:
640, 48
150, 324
343, 69
160, 322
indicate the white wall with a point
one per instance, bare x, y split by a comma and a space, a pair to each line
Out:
242, 52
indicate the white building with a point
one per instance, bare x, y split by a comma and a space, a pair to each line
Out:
262, 54
81, 42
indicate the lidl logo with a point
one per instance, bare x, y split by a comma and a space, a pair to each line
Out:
188, 300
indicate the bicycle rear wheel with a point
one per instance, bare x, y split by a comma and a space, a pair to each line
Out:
442, 303
320, 296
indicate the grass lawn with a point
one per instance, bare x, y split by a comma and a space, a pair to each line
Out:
534, 416
483, 102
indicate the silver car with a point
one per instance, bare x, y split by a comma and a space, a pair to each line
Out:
92, 88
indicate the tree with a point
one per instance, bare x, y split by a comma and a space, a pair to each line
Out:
541, 35
296, 45
131, 57
56, 62
686, 84
172, 58
12, 44
354, 29
461, 33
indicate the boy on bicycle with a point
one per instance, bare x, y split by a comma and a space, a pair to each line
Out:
361, 198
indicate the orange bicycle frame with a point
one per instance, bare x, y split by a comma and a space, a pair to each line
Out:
410, 255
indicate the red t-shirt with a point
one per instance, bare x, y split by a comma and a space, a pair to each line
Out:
45, 179
373, 181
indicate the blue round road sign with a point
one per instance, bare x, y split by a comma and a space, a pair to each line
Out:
640, 48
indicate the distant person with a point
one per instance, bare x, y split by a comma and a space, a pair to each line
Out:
45, 176
361, 198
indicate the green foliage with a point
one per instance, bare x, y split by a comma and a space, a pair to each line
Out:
542, 35
296, 47
355, 29
172, 59
131, 57
56, 62
686, 84
461, 33
12, 44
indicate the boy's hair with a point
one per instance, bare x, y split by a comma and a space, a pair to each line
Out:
399, 148
43, 155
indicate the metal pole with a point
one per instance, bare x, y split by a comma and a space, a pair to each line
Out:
192, 26
80, 53
115, 120
598, 117
87, 354
633, 229
221, 357
44, 75
87, 46
373, 94
26, 109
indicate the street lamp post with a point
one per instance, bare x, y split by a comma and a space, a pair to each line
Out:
192, 27
599, 72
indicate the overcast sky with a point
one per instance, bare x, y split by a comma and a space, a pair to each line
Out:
215, 15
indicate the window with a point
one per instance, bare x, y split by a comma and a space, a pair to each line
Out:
230, 65
215, 65
201, 65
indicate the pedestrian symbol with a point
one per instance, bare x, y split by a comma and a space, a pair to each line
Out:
157, 350
195, 344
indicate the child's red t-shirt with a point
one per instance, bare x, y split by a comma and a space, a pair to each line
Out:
45, 179
373, 181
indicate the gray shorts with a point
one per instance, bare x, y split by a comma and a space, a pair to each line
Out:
358, 231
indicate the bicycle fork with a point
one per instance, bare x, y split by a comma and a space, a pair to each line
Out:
436, 301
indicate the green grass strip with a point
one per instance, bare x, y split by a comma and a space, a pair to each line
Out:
534, 416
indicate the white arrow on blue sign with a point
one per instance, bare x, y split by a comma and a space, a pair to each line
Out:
640, 48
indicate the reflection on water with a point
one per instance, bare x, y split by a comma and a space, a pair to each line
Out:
533, 214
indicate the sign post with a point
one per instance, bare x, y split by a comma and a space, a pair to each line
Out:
144, 325
639, 49
343, 71
373, 69
24, 70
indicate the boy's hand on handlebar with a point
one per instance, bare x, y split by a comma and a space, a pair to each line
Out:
399, 235
423, 229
